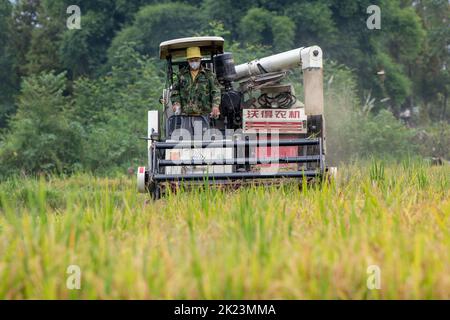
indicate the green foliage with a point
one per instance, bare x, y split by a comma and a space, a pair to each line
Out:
434, 140
314, 22
80, 50
241, 52
382, 135
114, 143
283, 30
7, 77
43, 136
355, 132
227, 12
260, 26
405, 34
43, 53
410, 56
395, 85
23, 22
112, 109
156, 23
432, 74
255, 26
5, 54
97, 130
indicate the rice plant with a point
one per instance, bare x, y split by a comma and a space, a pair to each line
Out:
313, 242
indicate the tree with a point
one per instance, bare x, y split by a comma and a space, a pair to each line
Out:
83, 52
339, 27
23, 22
43, 137
42, 54
432, 76
228, 12
156, 23
381, 57
260, 26
241, 52
113, 108
398, 52
255, 27
315, 23
8, 80
283, 30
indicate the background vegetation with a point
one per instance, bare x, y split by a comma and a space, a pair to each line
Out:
74, 100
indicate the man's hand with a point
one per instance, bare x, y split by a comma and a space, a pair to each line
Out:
175, 106
215, 112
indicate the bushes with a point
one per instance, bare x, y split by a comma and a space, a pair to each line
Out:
43, 136
260, 26
353, 131
96, 129
113, 110
434, 140
381, 135
113, 144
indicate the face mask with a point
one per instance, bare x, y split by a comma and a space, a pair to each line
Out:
194, 65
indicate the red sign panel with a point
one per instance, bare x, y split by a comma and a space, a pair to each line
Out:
281, 120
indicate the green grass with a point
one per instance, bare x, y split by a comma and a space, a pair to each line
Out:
254, 243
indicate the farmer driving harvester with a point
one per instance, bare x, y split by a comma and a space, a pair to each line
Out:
196, 94
264, 132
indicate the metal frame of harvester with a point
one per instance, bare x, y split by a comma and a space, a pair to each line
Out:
272, 120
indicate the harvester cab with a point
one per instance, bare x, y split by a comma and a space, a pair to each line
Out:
264, 132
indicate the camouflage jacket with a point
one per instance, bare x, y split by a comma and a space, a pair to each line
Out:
196, 96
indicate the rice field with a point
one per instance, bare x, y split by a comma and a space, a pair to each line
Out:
313, 242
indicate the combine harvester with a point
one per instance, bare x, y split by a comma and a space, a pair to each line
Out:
264, 133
